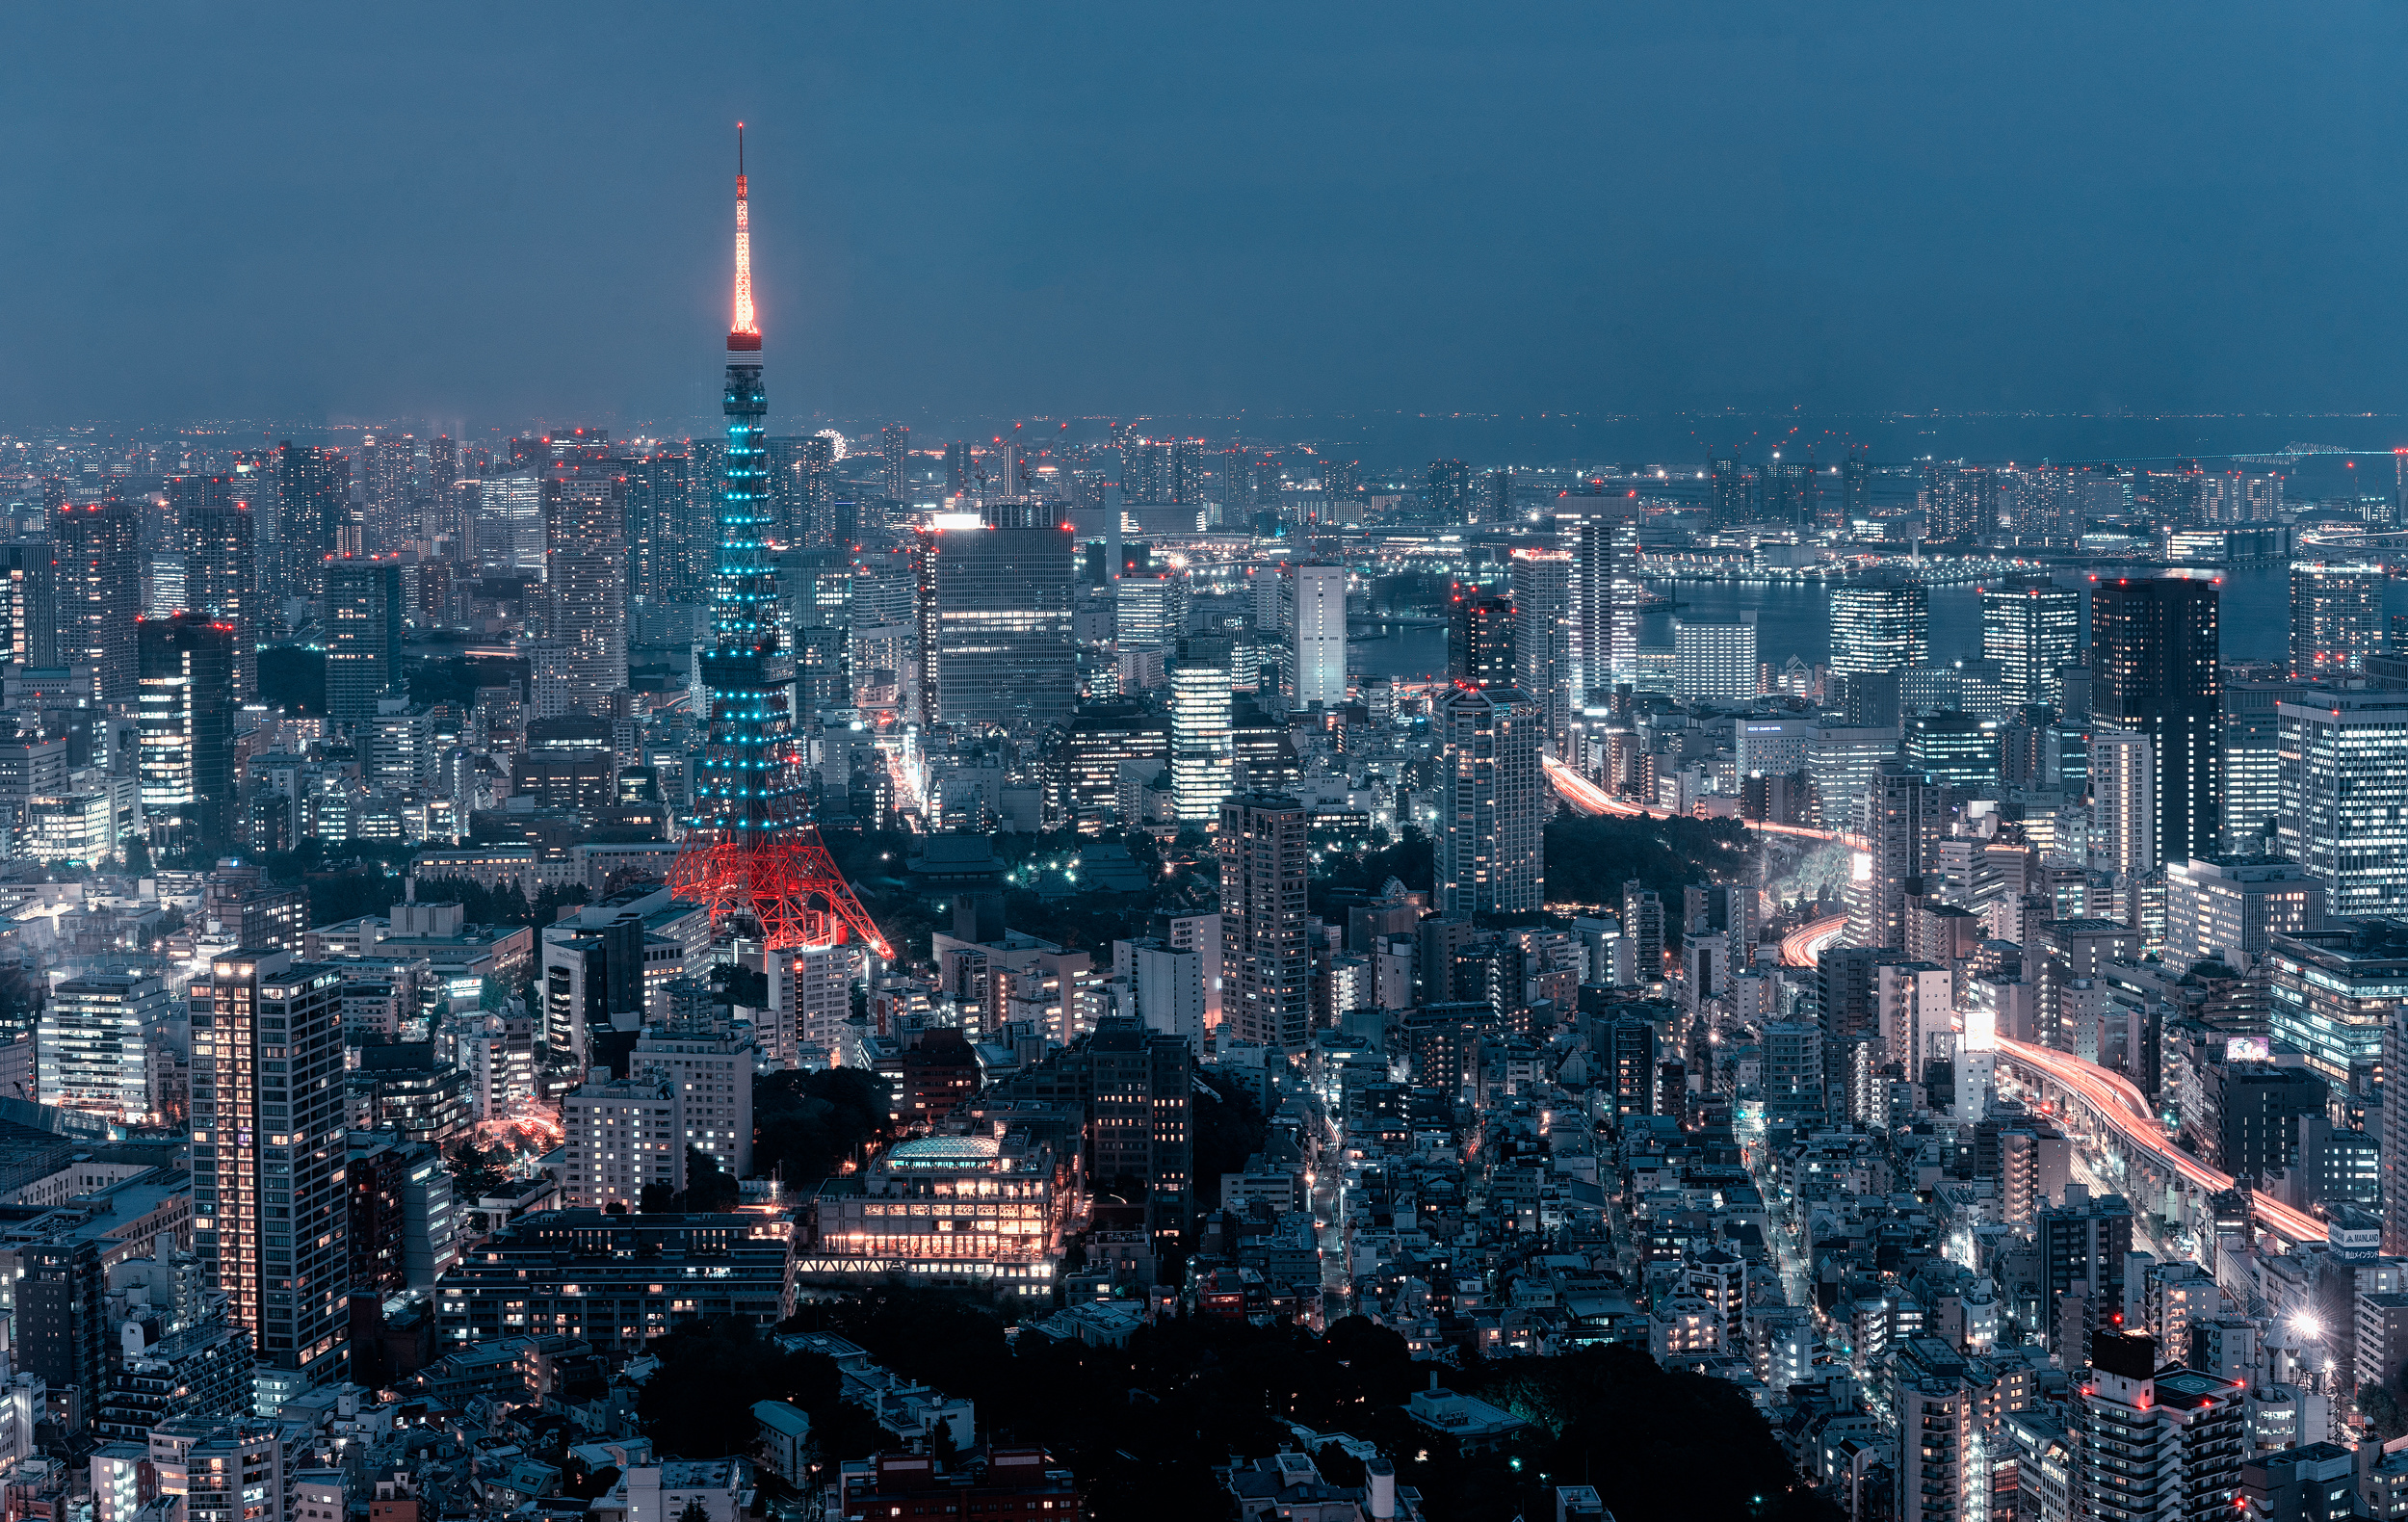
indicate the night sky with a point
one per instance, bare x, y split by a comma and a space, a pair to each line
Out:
503, 213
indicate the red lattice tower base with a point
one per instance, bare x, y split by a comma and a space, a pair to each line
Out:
786, 882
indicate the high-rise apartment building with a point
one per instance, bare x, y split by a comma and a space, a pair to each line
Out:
2336, 616
1543, 664
270, 1216
1713, 661
95, 1040
586, 582
2345, 810
222, 573
622, 1136
1266, 969
184, 713
997, 618
2154, 1439
1898, 819
2032, 633
669, 532
313, 505
98, 587
1313, 629
363, 624
1492, 802
893, 448
385, 462
2152, 658
1450, 491
1881, 625
2123, 802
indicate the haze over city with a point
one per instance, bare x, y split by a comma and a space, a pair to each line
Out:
1345, 764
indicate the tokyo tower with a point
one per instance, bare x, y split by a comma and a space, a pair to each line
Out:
750, 851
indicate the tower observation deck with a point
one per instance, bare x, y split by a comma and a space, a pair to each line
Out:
750, 851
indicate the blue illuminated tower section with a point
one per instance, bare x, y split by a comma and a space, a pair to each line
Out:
749, 850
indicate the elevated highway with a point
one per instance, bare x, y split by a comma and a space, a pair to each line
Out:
1803, 946
1588, 798
2120, 1117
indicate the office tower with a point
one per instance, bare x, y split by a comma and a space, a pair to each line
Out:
1899, 825
1607, 593
1879, 624
385, 479
1202, 746
2257, 1107
1266, 969
313, 504
1726, 492
750, 851
1000, 617
2154, 1439
1450, 491
1313, 629
221, 576
2226, 908
1479, 640
2249, 724
270, 1217
2336, 616
184, 710
957, 469
2032, 632
363, 625
2344, 800
2123, 802
893, 448
1492, 802
1713, 661
508, 530
584, 583
29, 613
1953, 750
2153, 656
95, 1040
1543, 666
96, 547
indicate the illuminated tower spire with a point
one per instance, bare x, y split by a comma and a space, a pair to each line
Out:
750, 851
744, 326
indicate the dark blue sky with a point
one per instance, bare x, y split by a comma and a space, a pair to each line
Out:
505, 213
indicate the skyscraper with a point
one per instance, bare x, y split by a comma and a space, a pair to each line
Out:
363, 625
439, 505
2345, 801
2248, 721
1313, 625
313, 503
669, 533
1202, 740
1450, 491
1495, 497
1266, 969
1000, 615
270, 1216
1713, 661
2032, 632
385, 462
585, 581
1897, 820
1607, 593
1479, 640
1493, 802
893, 447
1726, 492
1961, 504
1879, 624
96, 547
221, 572
1542, 637
2336, 616
2152, 657
185, 728
2123, 802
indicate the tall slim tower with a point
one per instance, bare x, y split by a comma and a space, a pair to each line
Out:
750, 851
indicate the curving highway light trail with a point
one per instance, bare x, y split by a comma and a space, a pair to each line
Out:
2115, 1102
1589, 799
1803, 946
